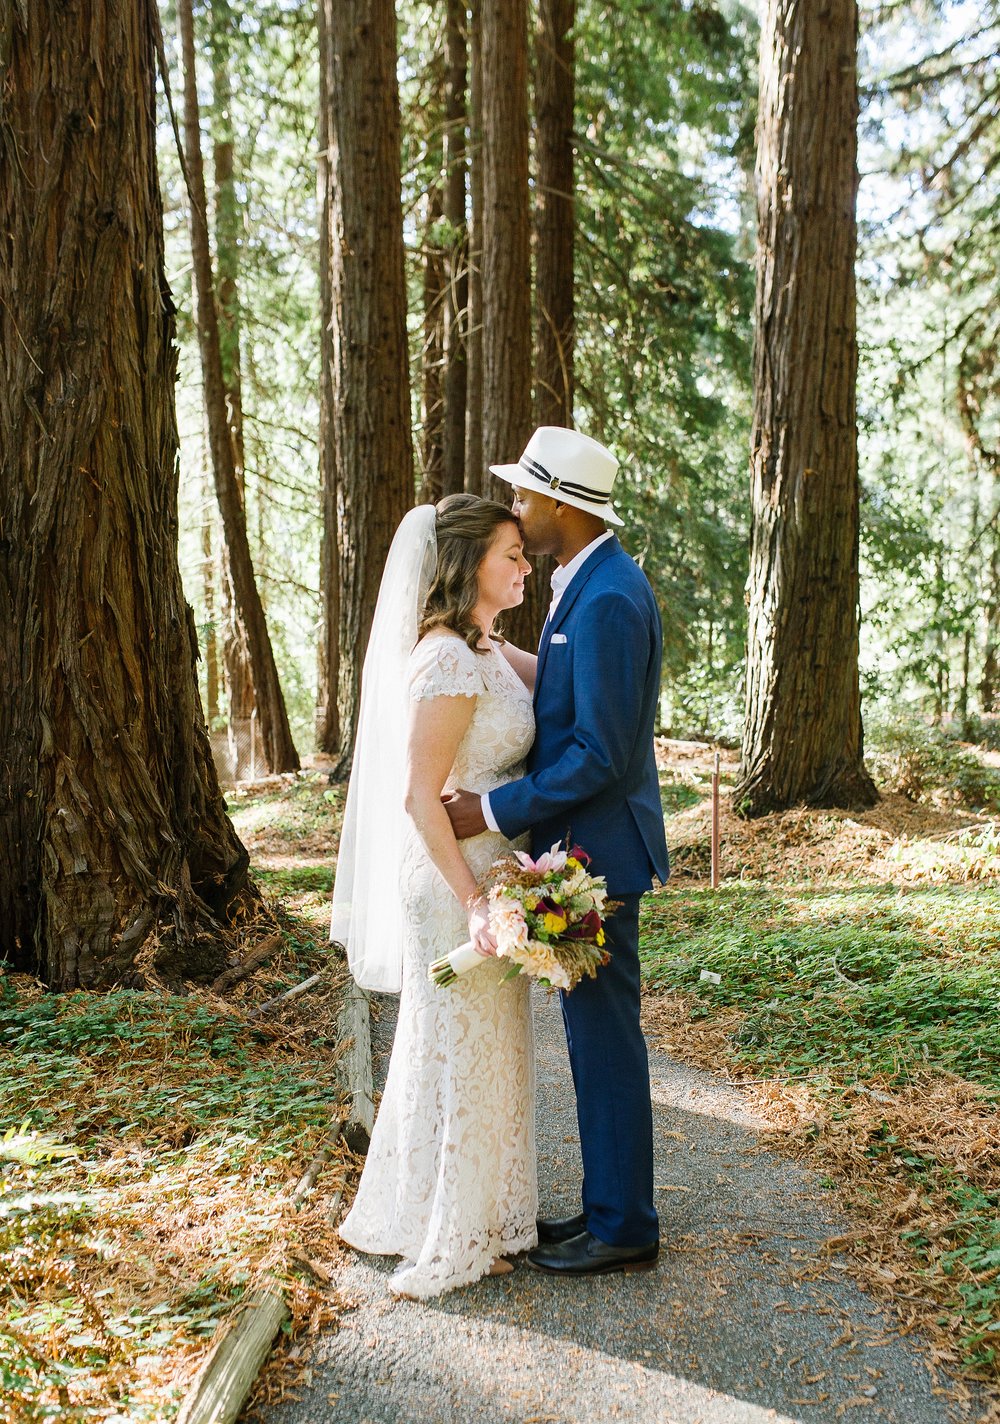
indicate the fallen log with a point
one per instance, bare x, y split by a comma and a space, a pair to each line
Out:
227, 1376
229, 978
354, 1026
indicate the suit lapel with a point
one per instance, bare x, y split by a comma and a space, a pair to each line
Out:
552, 625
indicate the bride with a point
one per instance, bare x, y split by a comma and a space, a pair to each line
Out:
449, 1183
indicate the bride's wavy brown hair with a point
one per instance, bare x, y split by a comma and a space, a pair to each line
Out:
466, 526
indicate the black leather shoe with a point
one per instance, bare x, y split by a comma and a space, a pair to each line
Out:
585, 1255
560, 1228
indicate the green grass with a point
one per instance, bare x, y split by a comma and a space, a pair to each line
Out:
299, 808
190, 1071
149, 1142
855, 984
677, 795
867, 981
297, 880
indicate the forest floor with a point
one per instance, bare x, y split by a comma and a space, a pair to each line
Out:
154, 1141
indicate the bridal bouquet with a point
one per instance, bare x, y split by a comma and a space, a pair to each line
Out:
547, 916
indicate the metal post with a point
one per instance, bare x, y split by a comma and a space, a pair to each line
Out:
715, 824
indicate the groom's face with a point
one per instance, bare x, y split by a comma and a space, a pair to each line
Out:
537, 516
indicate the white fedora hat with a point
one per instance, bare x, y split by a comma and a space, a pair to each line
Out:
566, 466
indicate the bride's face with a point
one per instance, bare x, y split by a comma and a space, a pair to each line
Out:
502, 573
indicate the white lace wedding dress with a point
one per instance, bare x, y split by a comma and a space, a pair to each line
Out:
450, 1181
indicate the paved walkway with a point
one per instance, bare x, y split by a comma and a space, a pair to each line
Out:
738, 1325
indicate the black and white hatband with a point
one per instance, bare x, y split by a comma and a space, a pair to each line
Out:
540, 473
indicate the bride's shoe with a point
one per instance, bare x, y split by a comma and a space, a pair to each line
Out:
501, 1267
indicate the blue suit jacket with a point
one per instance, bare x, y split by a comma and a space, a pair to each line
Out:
591, 774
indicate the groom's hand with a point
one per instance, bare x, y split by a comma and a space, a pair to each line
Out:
465, 811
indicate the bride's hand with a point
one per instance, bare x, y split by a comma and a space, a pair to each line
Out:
480, 934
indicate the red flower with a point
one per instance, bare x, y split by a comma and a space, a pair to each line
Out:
585, 928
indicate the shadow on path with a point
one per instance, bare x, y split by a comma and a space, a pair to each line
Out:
741, 1323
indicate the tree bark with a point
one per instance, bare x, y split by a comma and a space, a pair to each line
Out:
803, 736
456, 272
989, 686
227, 229
116, 855
554, 212
235, 642
432, 356
370, 384
475, 466
328, 653
506, 268
211, 656
279, 749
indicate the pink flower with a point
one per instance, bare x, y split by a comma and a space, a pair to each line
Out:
554, 859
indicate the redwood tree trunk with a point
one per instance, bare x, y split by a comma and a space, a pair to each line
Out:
989, 686
328, 652
475, 466
554, 212
457, 274
235, 642
279, 749
370, 386
506, 267
803, 737
116, 854
432, 357
211, 653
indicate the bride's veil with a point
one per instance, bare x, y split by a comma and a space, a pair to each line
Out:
367, 916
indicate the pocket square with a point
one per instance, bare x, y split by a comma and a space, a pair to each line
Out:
558, 638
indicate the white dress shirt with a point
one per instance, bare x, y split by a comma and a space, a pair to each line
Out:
562, 577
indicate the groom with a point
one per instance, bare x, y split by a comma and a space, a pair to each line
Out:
591, 781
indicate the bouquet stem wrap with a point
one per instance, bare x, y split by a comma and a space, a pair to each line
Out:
459, 961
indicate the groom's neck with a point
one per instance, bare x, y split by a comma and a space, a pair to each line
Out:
578, 531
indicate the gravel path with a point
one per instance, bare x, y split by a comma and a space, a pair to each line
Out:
739, 1324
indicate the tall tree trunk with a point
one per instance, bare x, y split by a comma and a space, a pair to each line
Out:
475, 465
227, 228
279, 749
211, 654
803, 737
456, 271
328, 653
432, 356
116, 855
506, 266
235, 642
989, 686
371, 415
554, 212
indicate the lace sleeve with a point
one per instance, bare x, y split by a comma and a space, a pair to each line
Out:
444, 667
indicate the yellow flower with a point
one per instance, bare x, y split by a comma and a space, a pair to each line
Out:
600, 937
572, 863
553, 924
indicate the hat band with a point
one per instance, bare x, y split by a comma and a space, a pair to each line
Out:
540, 473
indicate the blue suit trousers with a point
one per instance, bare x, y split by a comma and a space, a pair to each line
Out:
607, 1054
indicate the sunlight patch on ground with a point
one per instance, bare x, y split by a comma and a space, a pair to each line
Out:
565, 1380
291, 862
719, 1101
